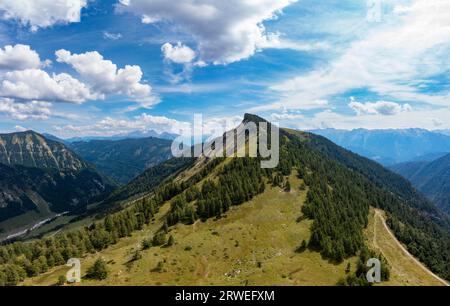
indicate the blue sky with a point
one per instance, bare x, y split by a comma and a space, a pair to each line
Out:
104, 67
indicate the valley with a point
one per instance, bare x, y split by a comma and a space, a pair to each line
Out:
41, 179
124, 159
432, 178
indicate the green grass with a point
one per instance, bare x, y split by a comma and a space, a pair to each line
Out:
253, 244
404, 271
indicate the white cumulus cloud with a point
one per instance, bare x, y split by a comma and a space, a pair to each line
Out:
18, 57
225, 31
36, 84
106, 78
21, 111
378, 108
42, 13
179, 53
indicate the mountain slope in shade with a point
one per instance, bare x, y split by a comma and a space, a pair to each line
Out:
124, 159
54, 138
150, 179
61, 190
432, 178
44, 176
390, 146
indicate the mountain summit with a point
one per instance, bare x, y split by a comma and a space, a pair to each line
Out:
30, 149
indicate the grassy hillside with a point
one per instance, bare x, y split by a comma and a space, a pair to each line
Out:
253, 244
404, 270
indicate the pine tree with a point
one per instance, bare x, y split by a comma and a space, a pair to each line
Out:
348, 268
171, 241
98, 270
287, 187
159, 239
61, 280
165, 228
146, 244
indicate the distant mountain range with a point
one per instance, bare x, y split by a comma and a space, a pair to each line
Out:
124, 159
445, 132
391, 146
131, 135
40, 177
432, 178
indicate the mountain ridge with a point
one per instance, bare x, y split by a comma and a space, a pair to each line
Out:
390, 146
31, 149
124, 159
432, 178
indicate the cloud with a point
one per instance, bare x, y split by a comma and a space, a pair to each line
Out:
378, 108
179, 53
286, 116
275, 41
225, 31
301, 103
393, 59
161, 123
42, 13
105, 78
109, 126
112, 36
24, 80
18, 57
37, 110
36, 84
112, 126
20, 128
424, 117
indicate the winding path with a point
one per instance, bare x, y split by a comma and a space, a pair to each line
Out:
380, 217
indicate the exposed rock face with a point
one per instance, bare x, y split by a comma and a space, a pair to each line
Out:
31, 149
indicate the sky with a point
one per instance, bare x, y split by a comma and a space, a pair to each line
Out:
104, 67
